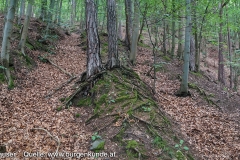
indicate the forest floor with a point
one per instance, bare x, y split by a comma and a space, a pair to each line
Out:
31, 120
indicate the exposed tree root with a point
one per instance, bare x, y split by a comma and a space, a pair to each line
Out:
67, 73
201, 91
43, 59
60, 87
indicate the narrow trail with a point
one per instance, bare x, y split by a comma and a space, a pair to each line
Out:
25, 107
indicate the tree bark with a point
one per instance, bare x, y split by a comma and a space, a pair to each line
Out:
113, 60
128, 12
43, 10
5, 42
220, 51
192, 66
184, 84
180, 36
94, 64
25, 28
173, 28
21, 12
120, 21
136, 22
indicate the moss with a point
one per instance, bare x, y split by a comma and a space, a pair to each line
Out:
29, 46
28, 60
86, 101
102, 99
132, 144
77, 115
2, 78
166, 58
11, 84
192, 85
143, 45
198, 74
59, 108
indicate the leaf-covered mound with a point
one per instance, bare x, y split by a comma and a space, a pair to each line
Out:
125, 113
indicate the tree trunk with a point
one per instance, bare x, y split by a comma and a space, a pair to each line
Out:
50, 15
192, 66
180, 36
73, 16
21, 12
5, 42
25, 28
60, 12
120, 21
173, 28
230, 54
136, 22
197, 52
43, 10
184, 84
220, 52
94, 64
164, 38
113, 60
128, 11
143, 20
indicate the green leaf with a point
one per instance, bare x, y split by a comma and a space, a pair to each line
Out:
181, 141
177, 145
1, 67
186, 148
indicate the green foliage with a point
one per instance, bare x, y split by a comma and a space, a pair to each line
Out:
77, 115
198, 74
159, 142
180, 146
95, 136
2, 78
85, 101
166, 58
59, 108
11, 84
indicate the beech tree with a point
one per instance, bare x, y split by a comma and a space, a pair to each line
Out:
6, 40
135, 33
94, 63
183, 91
25, 28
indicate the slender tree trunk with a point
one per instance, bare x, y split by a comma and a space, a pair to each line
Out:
192, 63
21, 12
94, 64
180, 39
164, 48
128, 11
220, 52
184, 85
73, 16
6, 43
60, 12
25, 28
50, 15
113, 60
136, 22
197, 52
173, 28
43, 10
142, 22
230, 55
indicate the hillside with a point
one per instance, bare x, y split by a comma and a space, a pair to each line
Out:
33, 118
